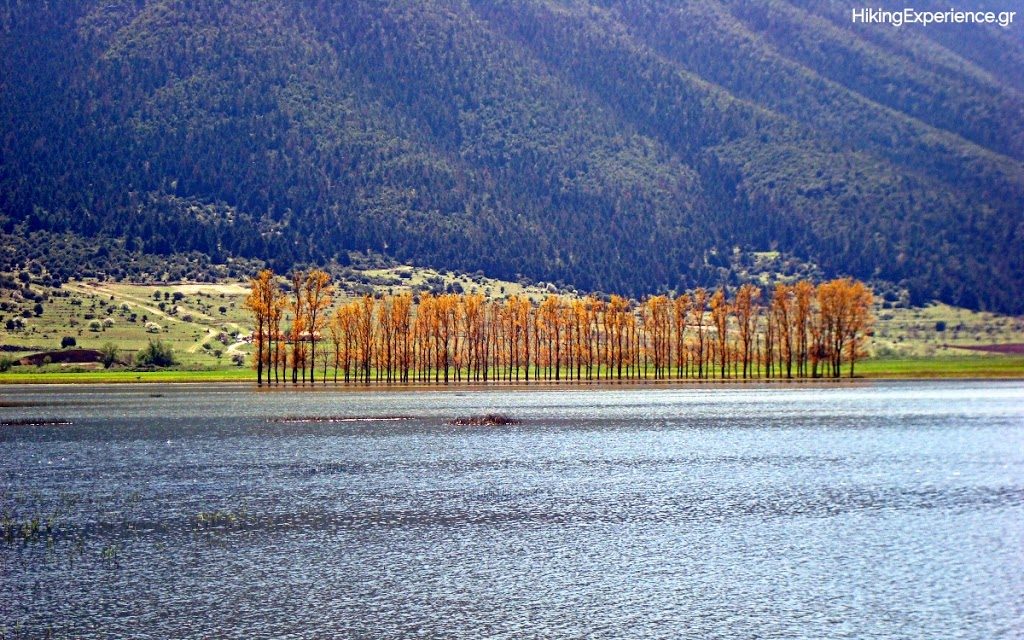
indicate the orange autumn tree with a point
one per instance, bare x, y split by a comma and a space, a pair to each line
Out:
720, 310
657, 325
297, 307
699, 302
780, 315
803, 301
859, 321
264, 302
364, 311
319, 296
746, 311
680, 310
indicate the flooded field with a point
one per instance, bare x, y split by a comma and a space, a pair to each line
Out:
889, 510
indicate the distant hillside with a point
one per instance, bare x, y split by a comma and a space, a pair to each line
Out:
625, 145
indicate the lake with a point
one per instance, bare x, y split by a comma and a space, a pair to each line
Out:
882, 510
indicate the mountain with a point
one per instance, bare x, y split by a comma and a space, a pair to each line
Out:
626, 145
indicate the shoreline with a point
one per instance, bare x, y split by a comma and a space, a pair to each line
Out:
1006, 372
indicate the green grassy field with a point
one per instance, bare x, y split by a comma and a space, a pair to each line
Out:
200, 322
877, 368
937, 330
118, 376
988, 366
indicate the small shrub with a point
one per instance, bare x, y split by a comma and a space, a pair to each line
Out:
152, 327
95, 325
157, 354
67, 342
108, 354
6, 362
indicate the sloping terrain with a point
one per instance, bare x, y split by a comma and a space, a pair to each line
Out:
625, 146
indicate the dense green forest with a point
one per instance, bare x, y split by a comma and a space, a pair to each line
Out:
626, 145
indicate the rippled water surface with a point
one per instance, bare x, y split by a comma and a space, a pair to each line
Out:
875, 511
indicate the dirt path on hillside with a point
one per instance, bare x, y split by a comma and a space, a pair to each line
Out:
142, 303
139, 301
145, 304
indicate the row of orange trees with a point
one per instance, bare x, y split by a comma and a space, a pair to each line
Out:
793, 330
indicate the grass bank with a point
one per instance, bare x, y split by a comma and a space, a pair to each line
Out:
944, 367
111, 377
968, 366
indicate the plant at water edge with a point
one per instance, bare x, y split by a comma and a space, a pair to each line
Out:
108, 354
157, 354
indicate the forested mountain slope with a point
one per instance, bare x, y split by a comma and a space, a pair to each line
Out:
623, 145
